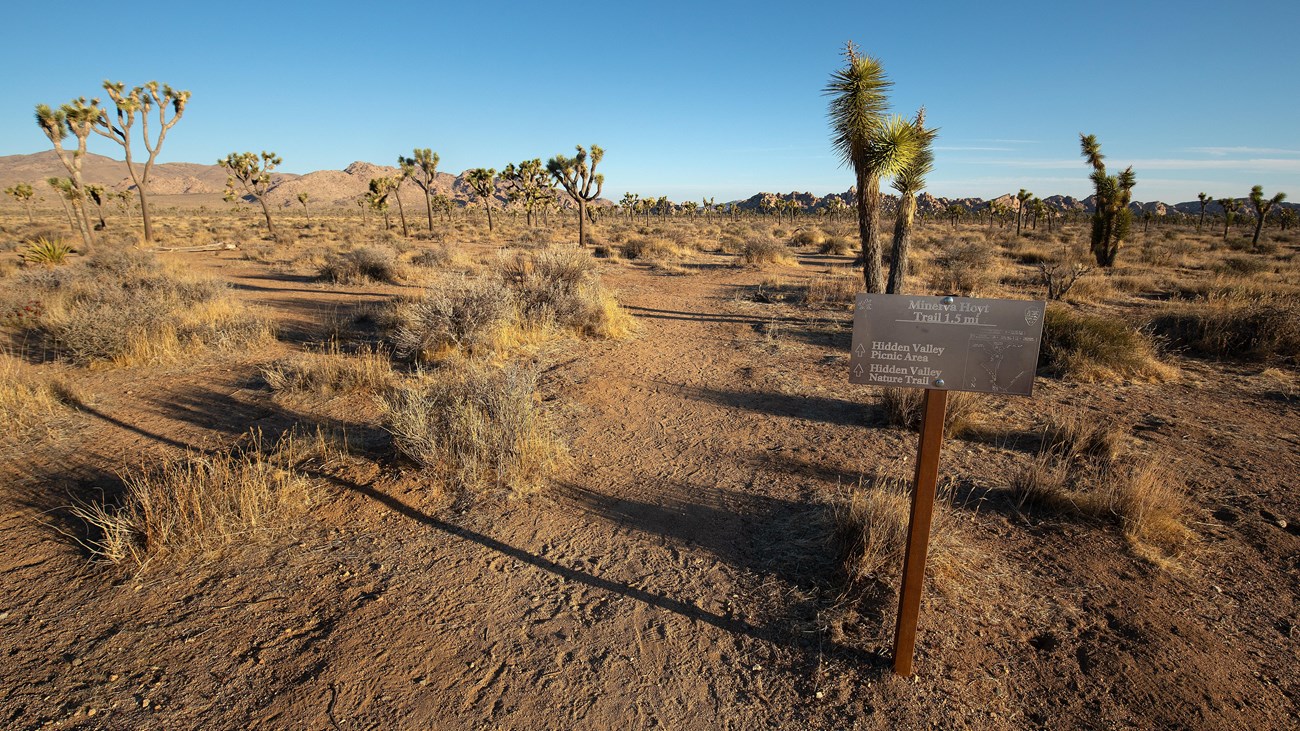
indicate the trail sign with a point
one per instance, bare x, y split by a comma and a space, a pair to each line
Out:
939, 344
953, 343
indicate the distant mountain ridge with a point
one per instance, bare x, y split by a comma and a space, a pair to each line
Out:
343, 187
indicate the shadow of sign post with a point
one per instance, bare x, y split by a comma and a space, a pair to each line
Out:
939, 344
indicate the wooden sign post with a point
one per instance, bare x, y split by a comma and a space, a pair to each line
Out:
940, 344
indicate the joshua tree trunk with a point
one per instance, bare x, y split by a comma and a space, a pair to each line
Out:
868, 199
401, 212
68, 210
582, 223
902, 244
270, 227
488, 206
428, 206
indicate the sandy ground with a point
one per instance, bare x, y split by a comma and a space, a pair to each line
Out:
676, 574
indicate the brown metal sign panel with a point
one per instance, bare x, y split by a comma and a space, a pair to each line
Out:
953, 343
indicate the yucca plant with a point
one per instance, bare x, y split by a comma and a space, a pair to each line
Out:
47, 252
909, 183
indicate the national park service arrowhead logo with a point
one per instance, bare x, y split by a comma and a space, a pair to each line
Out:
1032, 316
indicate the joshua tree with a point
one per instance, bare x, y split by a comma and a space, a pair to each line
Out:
706, 204
1112, 217
1262, 207
141, 100
395, 185
253, 173
377, 199
1286, 218
874, 146
529, 183
909, 182
77, 117
1021, 198
1205, 200
1230, 207
23, 193
482, 181
577, 177
303, 198
955, 211
97, 196
444, 204
69, 195
423, 171
628, 203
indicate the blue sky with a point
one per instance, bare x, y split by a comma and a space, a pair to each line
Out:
693, 99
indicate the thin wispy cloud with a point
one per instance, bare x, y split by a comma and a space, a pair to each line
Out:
1223, 151
965, 148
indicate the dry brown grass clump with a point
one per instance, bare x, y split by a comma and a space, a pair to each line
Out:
870, 532
808, 237
1256, 329
903, 407
199, 503
561, 289
465, 314
1098, 348
1083, 470
760, 251
651, 248
476, 426
331, 372
830, 289
966, 266
837, 245
27, 400
126, 308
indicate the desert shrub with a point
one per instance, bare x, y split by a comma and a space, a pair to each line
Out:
1242, 265
476, 426
362, 265
562, 289
837, 245
331, 372
126, 307
903, 407
758, 251
832, 289
870, 531
435, 257
1097, 348
646, 247
808, 237
462, 313
534, 238
28, 400
199, 502
1243, 329
963, 267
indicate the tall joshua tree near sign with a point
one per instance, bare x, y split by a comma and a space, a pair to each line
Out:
577, 177
857, 115
1262, 207
1112, 217
141, 100
253, 174
77, 118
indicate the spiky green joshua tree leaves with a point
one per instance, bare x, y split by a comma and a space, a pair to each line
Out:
422, 169
1112, 218
1022, 198
1262, 207
142, 101
483, 182
577, 177
909, 183
861, 136
1230, 207
253, 174
1205, 200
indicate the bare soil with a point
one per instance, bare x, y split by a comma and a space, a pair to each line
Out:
679, 571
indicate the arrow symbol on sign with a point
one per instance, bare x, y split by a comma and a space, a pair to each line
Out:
857, 370
861, 350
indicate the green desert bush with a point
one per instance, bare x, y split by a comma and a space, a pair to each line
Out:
46, 252
1090, 347
476, 426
